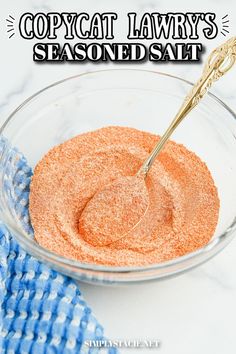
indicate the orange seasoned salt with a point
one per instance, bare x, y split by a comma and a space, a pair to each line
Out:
74, 196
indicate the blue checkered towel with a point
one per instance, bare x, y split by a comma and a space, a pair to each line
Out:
41, 311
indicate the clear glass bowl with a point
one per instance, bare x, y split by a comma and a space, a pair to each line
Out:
145, 100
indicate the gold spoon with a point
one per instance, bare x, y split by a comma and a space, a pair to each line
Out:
125, 201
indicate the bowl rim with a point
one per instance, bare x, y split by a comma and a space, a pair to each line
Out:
45, 255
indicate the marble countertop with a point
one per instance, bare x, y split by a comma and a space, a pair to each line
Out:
195, 312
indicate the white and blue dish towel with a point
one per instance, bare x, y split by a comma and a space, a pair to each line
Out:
41, 310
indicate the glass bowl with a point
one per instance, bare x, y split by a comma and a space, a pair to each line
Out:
145, 100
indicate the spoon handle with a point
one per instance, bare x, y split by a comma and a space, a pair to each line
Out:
218, 63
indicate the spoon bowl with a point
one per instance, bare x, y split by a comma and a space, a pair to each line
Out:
114, 211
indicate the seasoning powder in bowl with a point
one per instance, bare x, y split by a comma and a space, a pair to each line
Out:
183, 206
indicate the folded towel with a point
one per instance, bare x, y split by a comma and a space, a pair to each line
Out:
41, 310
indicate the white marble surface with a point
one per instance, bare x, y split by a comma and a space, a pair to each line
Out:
193, 313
